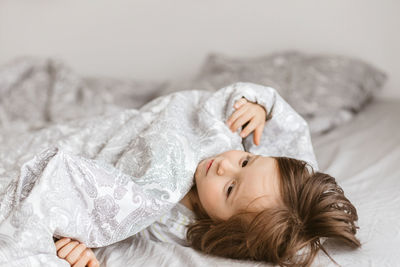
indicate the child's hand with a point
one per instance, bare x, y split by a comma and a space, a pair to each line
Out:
251, 113
76, 253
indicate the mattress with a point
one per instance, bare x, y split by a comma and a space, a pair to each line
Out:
364, 156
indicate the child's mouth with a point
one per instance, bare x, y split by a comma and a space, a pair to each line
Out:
209, 165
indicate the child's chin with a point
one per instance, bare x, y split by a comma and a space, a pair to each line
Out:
198, 172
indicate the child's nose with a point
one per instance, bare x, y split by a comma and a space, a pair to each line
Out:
224, 167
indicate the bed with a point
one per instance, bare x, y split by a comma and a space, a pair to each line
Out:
362, 153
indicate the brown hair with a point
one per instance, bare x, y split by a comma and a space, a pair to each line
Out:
313, 207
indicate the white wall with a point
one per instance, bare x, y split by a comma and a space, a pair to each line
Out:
168, 39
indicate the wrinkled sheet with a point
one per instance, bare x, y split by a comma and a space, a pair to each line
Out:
102, 179
364, 155
37, 92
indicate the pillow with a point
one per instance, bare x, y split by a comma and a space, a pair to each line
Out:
327, 90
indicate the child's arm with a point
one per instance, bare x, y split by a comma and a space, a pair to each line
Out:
285, 133
75, 253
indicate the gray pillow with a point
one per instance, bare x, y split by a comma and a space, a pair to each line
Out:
326, 90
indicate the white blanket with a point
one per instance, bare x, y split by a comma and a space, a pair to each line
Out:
111, 176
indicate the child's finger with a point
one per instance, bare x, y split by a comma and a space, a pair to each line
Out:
257, 134
236, 115
74, 255
86, 256
241, 121
93, 263
62, 242
240, 103
249, 128
64, 251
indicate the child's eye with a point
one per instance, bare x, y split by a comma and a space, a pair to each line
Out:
230, 188
244, 163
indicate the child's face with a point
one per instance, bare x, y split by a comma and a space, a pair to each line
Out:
237, 180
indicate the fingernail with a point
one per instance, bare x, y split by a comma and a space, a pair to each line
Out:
242, 134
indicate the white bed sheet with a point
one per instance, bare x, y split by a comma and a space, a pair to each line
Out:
364, 156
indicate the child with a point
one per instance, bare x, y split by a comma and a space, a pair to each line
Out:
248, 206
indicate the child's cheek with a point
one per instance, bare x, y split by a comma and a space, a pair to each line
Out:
209, 197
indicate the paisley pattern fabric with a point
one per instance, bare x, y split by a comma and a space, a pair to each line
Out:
103, 179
